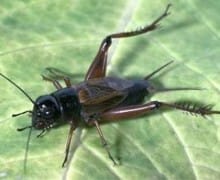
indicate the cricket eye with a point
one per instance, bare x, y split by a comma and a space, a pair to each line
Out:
47, 112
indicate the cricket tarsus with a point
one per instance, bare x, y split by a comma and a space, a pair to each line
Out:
104, 142
145, 29
166, 13
69, 139
98, 67
41, 134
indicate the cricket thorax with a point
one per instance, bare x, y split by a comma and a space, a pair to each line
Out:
56, 108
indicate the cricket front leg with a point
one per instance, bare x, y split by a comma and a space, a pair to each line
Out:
99, 64
56, 83
140, 110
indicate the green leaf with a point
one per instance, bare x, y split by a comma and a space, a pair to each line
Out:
66, 35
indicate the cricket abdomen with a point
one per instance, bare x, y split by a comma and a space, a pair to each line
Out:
136, 92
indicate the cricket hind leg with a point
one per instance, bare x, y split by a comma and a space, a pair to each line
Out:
140, 110
98, 67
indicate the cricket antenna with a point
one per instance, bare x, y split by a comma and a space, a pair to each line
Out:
26, 149
12, 82
157, 70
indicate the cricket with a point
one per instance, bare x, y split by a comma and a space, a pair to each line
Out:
99, 98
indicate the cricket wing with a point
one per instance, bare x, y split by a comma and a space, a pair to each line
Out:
98, 97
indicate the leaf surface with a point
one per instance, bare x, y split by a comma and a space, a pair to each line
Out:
66, 35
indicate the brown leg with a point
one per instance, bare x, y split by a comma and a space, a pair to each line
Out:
67, 82
104, 142
70, 135
56, 84
98, 67
139, 110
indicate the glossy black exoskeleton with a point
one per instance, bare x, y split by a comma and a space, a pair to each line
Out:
61, 106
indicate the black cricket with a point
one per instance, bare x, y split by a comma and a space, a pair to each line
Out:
98, 98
